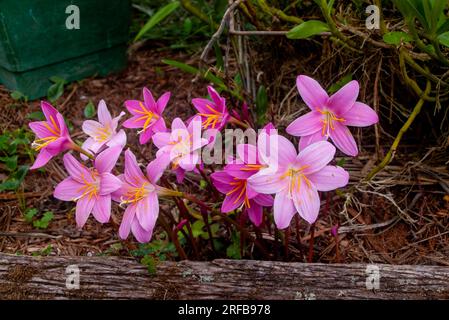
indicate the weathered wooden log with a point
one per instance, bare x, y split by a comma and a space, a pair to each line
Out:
24, 277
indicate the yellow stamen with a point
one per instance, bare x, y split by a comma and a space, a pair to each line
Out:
239, 185
134, 194
147, 114
211, 118
90, 188
328, 121
295, 176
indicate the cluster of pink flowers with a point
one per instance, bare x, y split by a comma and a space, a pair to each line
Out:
272, 167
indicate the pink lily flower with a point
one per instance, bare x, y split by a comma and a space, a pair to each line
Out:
140, 193
52, 135
91, 188
233, 182
182, 145
297, 180
331, 116
214, 114
103, 132
147, 115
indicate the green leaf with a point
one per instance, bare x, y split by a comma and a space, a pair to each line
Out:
307, 29
341, 162
397, 37
43, 222
37, 115
30, 213
340, 83
182, 66
10, 184
203, 184
21, 173
233, 251
17, 95
261, 105
444, 39
56, 90
160, 15
89, 110
10, 162
187, 26
192, 70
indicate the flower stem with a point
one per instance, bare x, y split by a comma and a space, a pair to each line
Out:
236, 121
391, 153
77, 148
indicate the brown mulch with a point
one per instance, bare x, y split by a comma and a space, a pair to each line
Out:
422, 239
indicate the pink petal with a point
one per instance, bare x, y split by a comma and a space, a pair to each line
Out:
75, 169
103, 113
232, 201
109, 183
276, 150
194, 129
342, 100
360, 115
162, 102
150, 103
180, 174
134, 107
91, 146
306, 125
68, 190
84, 207
133, 174
180, 125
59, 145
145, 136
314, 157
102, 208
343, 139
134, 123
91, 127
128, 217
236, 170
147, 211
329, 178
216, 98
201, 104
119, 139
62, 126
40, 129
283, 210
117, 194
308, 140
267, 183
255, 213
270, 129
41, 159
311, 92
307, 202
264, 200
159, 126
247, 153
156, 168
142, 235
48, 110
221, 180
189, 161
161, 139
106, 160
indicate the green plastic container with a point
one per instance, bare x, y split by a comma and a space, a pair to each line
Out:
36, 44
